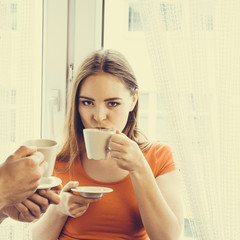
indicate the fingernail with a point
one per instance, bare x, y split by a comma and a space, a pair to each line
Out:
43, 191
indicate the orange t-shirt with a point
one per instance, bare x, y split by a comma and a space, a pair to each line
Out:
116, 216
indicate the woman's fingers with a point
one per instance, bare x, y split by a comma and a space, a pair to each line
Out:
115, 146
69, 185
79, 205
119, 139
72, 204
78, 210
76, 199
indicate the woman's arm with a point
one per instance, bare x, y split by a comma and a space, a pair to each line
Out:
50, 225
160, 203
159, 199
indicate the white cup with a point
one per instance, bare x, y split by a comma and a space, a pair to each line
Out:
96, 141
48, 148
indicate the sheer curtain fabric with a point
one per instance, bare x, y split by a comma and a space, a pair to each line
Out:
195, 55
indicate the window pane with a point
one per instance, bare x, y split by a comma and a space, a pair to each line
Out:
122, 27
134, 19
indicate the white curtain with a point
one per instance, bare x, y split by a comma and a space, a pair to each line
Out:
20, 73
194, 47
20, 86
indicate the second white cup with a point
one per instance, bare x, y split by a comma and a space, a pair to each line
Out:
96, 141
48, 148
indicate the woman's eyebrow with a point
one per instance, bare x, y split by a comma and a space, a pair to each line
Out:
86, 98
106, 100
112, 99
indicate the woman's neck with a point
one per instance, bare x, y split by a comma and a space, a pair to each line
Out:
102, 170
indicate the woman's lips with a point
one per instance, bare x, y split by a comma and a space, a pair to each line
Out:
103, 128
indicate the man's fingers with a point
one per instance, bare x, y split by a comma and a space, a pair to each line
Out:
38, 157
50, 195
31, 154
39, 200
23, 151
33, 208
24, 213
57, 188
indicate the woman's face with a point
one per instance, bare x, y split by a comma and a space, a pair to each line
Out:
104, 102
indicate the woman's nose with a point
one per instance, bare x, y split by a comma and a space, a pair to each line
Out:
100, 114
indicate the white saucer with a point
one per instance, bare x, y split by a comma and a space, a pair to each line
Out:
92, 191
49, 182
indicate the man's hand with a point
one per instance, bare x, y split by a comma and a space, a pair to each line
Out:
20, 175
32, 208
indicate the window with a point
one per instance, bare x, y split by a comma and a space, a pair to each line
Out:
37, 66
20, 84
32, 77
123, 31
20, 73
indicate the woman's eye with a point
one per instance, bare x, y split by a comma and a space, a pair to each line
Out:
86, 103
113, 104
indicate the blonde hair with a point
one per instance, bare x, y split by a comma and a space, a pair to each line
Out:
108, 61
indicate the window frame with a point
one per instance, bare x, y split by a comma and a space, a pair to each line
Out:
63, 51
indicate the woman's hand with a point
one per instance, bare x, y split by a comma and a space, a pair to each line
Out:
126, 152
71, 204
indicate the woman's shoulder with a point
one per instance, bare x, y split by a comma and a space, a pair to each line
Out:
63, 171
159, 157
158, 147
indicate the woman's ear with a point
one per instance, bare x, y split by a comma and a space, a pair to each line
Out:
134, 100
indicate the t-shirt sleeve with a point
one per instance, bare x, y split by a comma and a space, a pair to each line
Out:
63, 175
161, 159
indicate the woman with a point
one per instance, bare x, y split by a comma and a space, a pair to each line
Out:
146, 201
